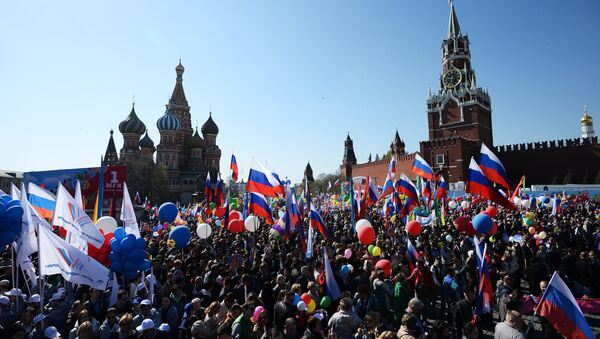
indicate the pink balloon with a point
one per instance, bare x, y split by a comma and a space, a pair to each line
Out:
257, 311
348, 253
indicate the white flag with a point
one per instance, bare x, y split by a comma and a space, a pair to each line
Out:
73, 239
69, 215
128, 214
27, 240
114, 293
59, 257
15, 194
329, 186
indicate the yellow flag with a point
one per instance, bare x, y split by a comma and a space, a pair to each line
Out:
95, 215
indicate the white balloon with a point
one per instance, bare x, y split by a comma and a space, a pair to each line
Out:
517, 201
361, 223
301, 306
350, 267
251, 223
464, 204
108, 224
452, 204
526, 203
203, 230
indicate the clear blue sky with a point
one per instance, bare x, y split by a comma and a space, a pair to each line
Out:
286, 79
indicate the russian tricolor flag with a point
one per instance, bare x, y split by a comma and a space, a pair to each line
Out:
261, 180
485, 292
388, 186
422, 168
441, 190
478, 184
41, 200
411, 255
406, 187
317, 222
493, 168
372, 194
561, 310
426, 190
234, 168
259, 206
392, 167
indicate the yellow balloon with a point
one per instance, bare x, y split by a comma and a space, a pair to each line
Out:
376, 251
311, 306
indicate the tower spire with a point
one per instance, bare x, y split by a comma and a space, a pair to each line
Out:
453, 26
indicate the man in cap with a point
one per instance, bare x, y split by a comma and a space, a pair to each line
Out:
34, 302
59, 312
96, 305
146, 312
162, 332
110, 326
7, 315
51, 332
146, 329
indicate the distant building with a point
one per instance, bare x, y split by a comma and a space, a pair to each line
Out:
7, 177
459, 116
186, 155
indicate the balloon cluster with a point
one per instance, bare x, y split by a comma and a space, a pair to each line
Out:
11, 213
306, 303
374, 250
128, 254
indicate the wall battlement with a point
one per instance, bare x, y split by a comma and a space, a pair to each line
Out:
547, 145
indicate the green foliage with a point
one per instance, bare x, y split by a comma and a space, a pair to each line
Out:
149, 179
322, 181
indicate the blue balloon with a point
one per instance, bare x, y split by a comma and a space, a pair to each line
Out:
131, 275
127, 244
114, 257
2, 207
546, 200
482, 223
181, 235
115, 245
167, 212
345, 270
119, 233
129, 266
136, 255
116, 266
140, 243
296, 299
145, 265
6, 237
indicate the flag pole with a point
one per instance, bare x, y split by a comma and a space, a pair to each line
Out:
41, 276
101, 189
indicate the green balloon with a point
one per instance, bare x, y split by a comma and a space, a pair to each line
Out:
325, 302
346, 198
212, 205
234, 206
528, 221
370, 248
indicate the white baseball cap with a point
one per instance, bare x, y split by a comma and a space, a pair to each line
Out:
38, 318
4, 300
164, 327
34, 298
140, 287
15, 292
146, 325
51, 332
146, 302
57, 296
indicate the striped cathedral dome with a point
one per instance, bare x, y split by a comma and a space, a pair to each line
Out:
132, 124
168, 122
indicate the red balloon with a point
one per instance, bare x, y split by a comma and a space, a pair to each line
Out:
470, 229
234, 215
366, 235
235, 226
386, 266
101, 254
413, 228
208, 211
220, 211
494, 229
306, 298
491, 211
461, 223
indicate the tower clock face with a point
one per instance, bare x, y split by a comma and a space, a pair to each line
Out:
452, 78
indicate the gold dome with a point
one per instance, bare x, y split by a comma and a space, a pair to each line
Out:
586, 120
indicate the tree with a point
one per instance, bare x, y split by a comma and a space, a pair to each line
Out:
147, 178
387, 155
369, 158
376, 156
322, 181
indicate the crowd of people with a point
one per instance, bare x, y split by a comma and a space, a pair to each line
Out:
248, 285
